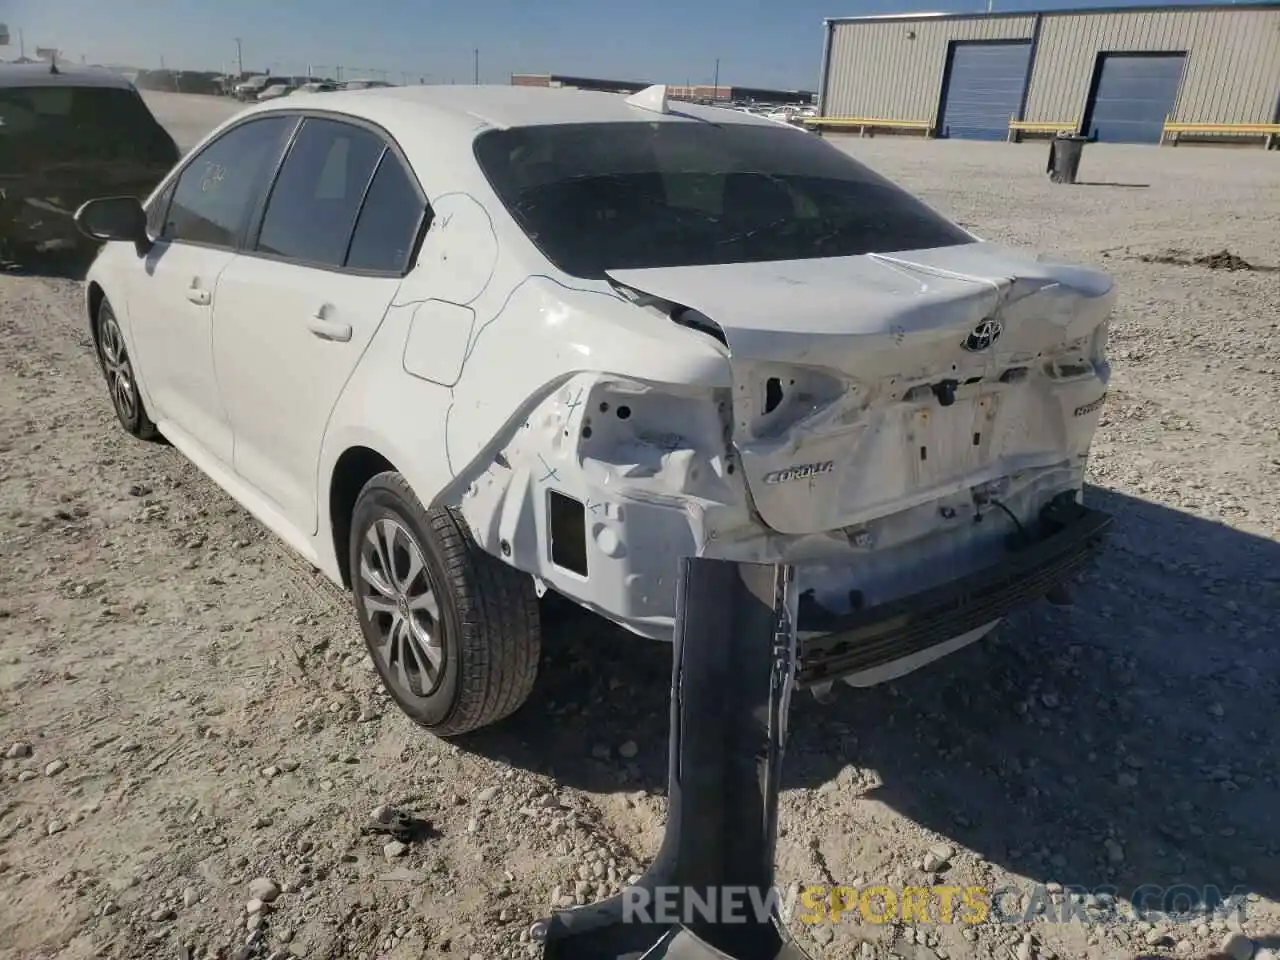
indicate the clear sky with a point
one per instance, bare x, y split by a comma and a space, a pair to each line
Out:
758, 42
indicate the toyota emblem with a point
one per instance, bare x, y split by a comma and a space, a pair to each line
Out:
983, 335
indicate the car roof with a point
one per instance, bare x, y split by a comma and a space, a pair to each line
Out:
40, 75
436, 125
477, 107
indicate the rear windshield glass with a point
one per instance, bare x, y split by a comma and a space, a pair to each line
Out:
609, 196
42, 126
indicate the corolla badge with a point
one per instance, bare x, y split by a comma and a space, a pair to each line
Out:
983, 335
800, 471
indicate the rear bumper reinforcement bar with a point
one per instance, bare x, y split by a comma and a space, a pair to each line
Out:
733, 671
1064, 541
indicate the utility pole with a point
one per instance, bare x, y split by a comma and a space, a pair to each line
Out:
22, 46
239, 59
476, 73
715, 81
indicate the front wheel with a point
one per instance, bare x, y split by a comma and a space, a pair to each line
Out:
117, 367
453, 632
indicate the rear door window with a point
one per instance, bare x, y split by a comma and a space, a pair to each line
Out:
313, 205
389, 221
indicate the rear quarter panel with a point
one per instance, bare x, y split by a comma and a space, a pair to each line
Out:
527, 333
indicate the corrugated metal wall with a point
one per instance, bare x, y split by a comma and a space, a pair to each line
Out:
1232, 75
1233, 61
878, 71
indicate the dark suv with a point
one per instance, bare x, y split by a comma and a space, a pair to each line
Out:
67, 136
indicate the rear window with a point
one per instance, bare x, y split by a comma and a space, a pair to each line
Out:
611, 196
59, 124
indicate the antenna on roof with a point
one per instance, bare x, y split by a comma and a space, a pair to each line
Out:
653, 99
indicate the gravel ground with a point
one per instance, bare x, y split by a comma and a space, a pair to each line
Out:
199, 741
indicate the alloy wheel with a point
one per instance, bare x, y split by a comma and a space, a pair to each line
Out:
119, 371
399, 600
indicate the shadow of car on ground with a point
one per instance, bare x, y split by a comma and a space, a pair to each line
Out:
70, 264
1123, 741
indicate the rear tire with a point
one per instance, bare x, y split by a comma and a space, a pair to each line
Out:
454, 633
117, 367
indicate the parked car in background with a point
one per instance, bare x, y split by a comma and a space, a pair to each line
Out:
791, 114
275, 91
317, 86
561, 347
66, 136
365, 84
249, 89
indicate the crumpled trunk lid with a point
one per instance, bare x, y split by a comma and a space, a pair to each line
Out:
866, 385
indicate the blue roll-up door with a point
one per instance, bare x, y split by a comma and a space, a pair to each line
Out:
983, 88
1133, 94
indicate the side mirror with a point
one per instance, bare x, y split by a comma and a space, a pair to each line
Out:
114, 218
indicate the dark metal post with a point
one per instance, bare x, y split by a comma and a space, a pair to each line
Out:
734, 665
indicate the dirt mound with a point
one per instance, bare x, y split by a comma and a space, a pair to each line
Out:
1222, 260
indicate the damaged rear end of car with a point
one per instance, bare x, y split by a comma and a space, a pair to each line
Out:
908, 413
914, 434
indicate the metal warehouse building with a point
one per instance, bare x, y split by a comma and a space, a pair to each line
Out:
1113, 73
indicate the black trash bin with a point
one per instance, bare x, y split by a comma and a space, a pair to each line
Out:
1064, 157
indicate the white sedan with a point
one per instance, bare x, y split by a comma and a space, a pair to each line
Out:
275, 91
317, 86
461, 345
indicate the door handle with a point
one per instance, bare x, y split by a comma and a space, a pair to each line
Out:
198, 295
327, 329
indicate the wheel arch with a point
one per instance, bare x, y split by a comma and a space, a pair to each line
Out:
355, 467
